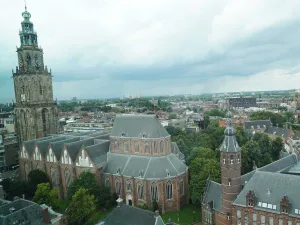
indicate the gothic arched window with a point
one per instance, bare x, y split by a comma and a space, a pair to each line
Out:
26, 171
128, 186
44, 119
181, 186
140, 190
169, 190
147, 147
161, 147
154, 193
126, 146
155, 147
118, 187
68, 178
136, 147
53, 177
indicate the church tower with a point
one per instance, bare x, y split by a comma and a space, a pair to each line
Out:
35, 110
230, 158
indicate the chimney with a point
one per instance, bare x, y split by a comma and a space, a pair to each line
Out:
156, 213
119, 201
46, 216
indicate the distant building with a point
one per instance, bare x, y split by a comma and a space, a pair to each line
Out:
242, 102
267, 195
9, 148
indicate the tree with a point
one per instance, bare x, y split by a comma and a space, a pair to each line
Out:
201, 152
264, 115
277, 146
204, 140
206, 121
13, 188
250, 154
36, 177
172, 116
87, 180
241, 136
45, 195
174, 131
81, 207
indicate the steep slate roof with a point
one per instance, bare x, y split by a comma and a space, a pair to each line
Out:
43, 145
137, 125
176, 151
30, 144
57, 146
277, 184
98, 152
278, 131
275, 167
75, 147
229, 143
256, 123
294, 169
24, 210
213, 193
151, 167
128, 215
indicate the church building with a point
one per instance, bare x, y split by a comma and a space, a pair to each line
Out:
267, 196
35, 111
137, 160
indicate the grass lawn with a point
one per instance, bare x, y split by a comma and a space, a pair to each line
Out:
97, 216
186, 215
62, 205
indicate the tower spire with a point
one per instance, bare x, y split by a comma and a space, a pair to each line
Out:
25, 5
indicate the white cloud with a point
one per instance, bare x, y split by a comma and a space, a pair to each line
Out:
102, 35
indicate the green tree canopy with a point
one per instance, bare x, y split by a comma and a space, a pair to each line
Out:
36, 177
277, 147
13, 188
45, 195
81, 207
265, 115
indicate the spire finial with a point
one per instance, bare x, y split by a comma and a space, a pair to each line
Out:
25, 5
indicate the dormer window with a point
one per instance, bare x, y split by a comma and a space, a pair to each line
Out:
119, 170
123, 134
229, 182
251, 199
141, 173
168, 173
285, 205
144, 135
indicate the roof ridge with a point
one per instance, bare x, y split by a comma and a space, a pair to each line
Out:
172, 164
147, 167
126, 163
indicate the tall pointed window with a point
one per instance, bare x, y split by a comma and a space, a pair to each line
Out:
169, 190
254, 218
238, 216
147, 147
44, 119
126, 146
181, 186
262, 220
161, 147
140, 190
68, 179
128, 186
136, 147
155, 147
53, 177
154, 194
246, 218
118, 187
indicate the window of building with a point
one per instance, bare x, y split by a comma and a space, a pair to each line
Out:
208, 217
107, 182
181, 187
140, 190
161, 147
238, 216
167, 146
126, 146
147, 147
246, 218
118, 187
68, 177
128, 186
136, 147
154, 194
155, 147
53, 177
262, 220
231, 159
229, 182
279, 221
228, 216
169, 190
254, 218
271, 220
224, 161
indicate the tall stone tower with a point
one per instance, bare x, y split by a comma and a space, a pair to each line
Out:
230, 168
35, 110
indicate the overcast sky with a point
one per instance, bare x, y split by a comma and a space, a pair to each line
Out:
107, 48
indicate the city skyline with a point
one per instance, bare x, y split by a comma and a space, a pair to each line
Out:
109, 48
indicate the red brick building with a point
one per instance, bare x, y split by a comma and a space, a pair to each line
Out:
265, 196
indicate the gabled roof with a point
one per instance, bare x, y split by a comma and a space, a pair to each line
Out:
30, 144
75, 147
213, 193
136, 126
43, 145
58, 145
128, 215
151, 167
98, 152
270, 188
255, 123
278, 131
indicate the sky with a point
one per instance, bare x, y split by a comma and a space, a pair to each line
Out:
110, 48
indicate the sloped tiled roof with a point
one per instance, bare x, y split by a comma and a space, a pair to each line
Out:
98, 152
137, 125
128, 215
57, 146
278, 131
213, 193
255, 123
